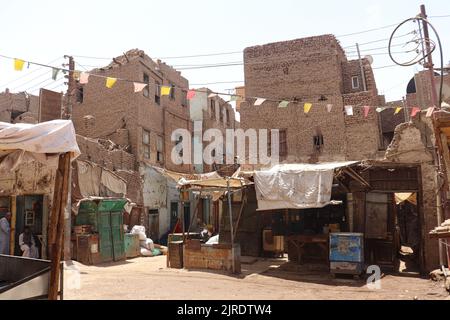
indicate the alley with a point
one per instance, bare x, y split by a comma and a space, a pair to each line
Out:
149, 279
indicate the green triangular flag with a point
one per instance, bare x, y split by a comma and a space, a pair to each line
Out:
55, 72
283, 104
233, 98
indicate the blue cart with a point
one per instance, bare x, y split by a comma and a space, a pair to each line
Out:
347, 253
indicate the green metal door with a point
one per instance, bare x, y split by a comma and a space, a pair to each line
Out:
117, 236
105, 236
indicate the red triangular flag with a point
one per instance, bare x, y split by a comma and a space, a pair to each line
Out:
414, 112
190, 94
366, 111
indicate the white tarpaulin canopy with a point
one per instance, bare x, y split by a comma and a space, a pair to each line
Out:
296, 186
22, 142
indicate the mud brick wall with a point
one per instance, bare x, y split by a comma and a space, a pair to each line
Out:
362, 134
410, 146
92, 150
313, 70
120, 114
134, 185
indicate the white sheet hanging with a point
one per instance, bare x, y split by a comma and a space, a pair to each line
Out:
296, 186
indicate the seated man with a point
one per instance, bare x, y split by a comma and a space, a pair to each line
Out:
27, 244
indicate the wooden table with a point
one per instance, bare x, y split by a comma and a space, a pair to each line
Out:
300, 240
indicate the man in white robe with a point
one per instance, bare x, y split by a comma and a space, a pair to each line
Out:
4, 233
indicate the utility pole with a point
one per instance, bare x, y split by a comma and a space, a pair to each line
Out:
363, 76
67, 114
441, 172
71, 87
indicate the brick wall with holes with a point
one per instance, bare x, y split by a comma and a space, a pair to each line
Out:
313, 70
121, 115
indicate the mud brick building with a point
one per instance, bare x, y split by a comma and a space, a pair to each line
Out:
142, 121
210, 113
313, 70
19, 107
419, 92
139, 126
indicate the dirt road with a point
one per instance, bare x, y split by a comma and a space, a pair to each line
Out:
148, 278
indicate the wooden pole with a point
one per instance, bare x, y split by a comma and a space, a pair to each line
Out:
60, 195
241, 209
441, 174
195, 213
230, 212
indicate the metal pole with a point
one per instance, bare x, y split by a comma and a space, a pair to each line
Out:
362, 69
437, 133
429, 65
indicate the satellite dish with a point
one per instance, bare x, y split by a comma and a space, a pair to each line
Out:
369, 58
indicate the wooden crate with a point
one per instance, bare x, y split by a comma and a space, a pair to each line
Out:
175, 255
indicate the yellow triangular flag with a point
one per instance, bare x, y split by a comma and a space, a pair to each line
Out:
397, 110
165, 90
76, 75
18, 64
307, 107
110, 82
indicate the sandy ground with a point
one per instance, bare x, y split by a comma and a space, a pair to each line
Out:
148, 278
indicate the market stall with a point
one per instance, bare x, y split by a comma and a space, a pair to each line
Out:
54, 145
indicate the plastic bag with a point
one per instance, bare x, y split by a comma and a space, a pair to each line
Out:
140, 230
146, 252
213, 240
156, 252
147, 244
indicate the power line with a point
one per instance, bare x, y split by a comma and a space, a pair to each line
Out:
219, 82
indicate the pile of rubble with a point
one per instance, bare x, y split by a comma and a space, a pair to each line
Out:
443, 228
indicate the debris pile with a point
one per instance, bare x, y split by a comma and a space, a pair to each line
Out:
148, 248
443, 228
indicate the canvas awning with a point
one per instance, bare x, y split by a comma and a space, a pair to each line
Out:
43, 142
177, 176
296, 186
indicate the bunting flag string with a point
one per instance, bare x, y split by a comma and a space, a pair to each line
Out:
165, 90
76, 75
18, 64
283, 104
55, 72
366, 111
414, 111
259, 101
110, 82
349, 110
138, 87
307, 107
83, 78
190, 94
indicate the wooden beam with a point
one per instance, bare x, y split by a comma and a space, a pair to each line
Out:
60, 195
244, 201
12, 234
195, 212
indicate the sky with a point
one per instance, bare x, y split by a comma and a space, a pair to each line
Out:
44, 31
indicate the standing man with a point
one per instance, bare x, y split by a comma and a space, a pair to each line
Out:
4, 233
